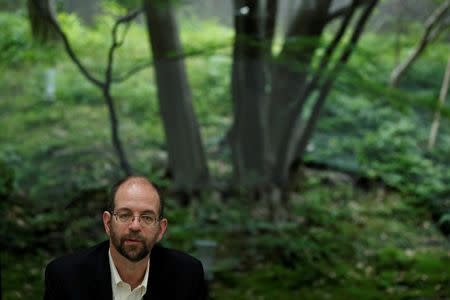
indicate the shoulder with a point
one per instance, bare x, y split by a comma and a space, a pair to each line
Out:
175, 275
73, 261
71, 276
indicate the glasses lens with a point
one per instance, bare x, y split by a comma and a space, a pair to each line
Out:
128, 218
146, 219
124, 217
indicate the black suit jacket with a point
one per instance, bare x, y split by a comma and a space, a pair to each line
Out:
86, 275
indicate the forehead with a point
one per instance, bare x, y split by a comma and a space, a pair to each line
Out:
137, 196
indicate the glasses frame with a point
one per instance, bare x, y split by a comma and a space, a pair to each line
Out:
142, 223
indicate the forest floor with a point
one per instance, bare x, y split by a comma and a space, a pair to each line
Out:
338, 239
340, 242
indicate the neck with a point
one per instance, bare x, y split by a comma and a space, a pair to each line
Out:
131, 272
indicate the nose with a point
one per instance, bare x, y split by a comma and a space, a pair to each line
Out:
135, 223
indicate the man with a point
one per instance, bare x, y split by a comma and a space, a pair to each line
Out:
130, 265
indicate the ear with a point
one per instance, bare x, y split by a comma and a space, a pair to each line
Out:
162, 228
107, 221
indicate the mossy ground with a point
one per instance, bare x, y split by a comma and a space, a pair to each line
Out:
340, 242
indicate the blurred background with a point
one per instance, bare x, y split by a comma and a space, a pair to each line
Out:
302, 146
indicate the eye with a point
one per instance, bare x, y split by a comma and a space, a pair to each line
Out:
148, 219
124, 216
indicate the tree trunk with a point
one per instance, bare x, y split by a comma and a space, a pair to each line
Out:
252, 48
1, 263
39, 12
290, 72
187, 161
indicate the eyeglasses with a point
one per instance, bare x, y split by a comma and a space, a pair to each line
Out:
127, 218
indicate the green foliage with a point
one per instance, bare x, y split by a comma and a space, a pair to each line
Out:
382, 133
345, 244
444, 218
393, 258
24, 275
394, 154
339, 242
16, 45
6, 190
6, 179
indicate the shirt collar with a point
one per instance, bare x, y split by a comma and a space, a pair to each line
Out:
116, 279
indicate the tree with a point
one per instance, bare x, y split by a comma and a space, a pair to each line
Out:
105, 84
248, 136
434, 25
41, 28
441, 101
271, 126
270, 91
277, 97
1, 291
187, 161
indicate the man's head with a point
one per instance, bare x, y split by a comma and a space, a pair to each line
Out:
134, 222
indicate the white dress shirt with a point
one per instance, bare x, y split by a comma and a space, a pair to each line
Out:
122, 290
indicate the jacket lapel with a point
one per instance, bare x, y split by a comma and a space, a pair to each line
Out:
157, 284
99, 278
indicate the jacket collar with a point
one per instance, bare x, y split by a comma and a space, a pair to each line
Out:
99, 277
158, 277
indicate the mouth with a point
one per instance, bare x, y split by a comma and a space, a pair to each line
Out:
133, 241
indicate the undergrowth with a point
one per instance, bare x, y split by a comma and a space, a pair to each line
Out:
342, 240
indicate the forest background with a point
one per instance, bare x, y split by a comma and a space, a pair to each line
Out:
302, 147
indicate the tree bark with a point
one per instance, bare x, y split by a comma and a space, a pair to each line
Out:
289, 73
38, 13
437, 115
430, 32
187, 160
254, 31
1, 286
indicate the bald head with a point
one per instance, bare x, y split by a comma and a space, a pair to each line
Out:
134, 185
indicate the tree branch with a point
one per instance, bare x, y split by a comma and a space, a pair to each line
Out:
437, 115
127, 20
67, 45
140, 67
326, 88
326, 58
287, 153
117, 41
105, 86
131, 72
427, 36
343, 10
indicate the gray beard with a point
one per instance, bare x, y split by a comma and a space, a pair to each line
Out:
132, 253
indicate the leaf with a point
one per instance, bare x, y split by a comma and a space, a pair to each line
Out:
445, 218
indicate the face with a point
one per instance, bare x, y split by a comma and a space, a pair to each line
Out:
134, 240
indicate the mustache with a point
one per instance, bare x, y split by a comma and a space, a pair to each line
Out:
136, 237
